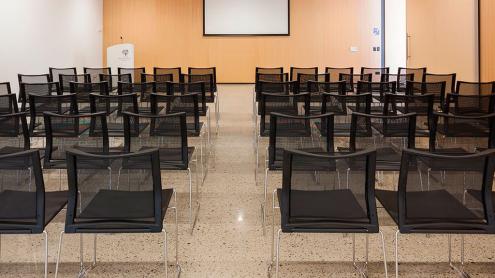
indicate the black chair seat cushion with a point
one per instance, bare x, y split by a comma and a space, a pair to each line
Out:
170, 159
193, 131
477, 195
387, 159
466, 129
117, 129
302, 165
452, 164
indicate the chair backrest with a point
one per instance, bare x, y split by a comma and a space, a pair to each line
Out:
207, 79
167, 132
143, 90
448, 78
312, 134
295, 71
8, 104
400, 79
56, 72
294, 105
315, 198
341, 104
65, 79
461, 134
376, 73
316, 87
73, 131
137, 193
276, 70
435, 88
304, 78
205, 71
5, 88
83, 90
38, 89
114, 79
335, 72
38, 105
475, 88
148, 77
453, 195
33, 78
198, 88
283, 88
94, 73
391, 130
269, 77
134, 72
113, 103
22, 193
379, 89
351, 79
172, 104
419, 74
176, 73
470, 104
422, 105
13, 130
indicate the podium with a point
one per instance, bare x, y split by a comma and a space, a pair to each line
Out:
120, 56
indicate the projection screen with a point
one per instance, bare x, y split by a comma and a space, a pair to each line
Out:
246, 17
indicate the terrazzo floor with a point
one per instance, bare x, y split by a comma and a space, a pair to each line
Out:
228, 239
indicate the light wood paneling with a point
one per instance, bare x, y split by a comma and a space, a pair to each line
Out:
487, 25
169, 33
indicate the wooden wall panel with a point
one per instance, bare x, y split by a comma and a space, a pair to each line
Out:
169, 33
487, 33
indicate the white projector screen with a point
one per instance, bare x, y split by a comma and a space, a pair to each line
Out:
246, 17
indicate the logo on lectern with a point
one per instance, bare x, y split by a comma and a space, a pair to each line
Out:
125, 52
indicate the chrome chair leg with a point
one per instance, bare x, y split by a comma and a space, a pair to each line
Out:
45, 236
278, 253
58, 253
382, 240
265, 188
361, 271
165, 251
397, 253
460, 270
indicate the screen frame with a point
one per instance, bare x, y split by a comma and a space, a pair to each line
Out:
247, 35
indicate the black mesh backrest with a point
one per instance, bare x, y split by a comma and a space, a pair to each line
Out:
113, 80
207, 79
342, 106
312, 134
294, 105
14, 133
143, 90
198, 88
22, 194
38, 105
294, 71
37, 89
460, 134
147, 77
317, 88
419, 74
56, 72
8, 104
277, 70
375, 72
176, 73
378, 89
94, 73
420, 88
400, 79
382, 132
205, 71
5, 88
335, 72
83, 90
475, 88
167, 132
73, 131
65, 80
98, 202
351, 79
449, 79
113, 106
173, 104
283, 88
422, 105
33, 78
434, 197
134, 72
303, 79
315, 196
270, 77
470, 104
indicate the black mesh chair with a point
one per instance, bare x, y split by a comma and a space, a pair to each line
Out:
352, 79
335, 72
83, 90
25, 207
97, 205
313, 200
14, 133
36, 89
304, 78
265, 77
442, 207
208, 77
475, 88
422, 105
419, 74
8, 104
421, 88
134, 72
295, 133
274, 87
160, 80
399, 79
176, 73
56, 72
342, 106
448, 78
168, 133
274, 70
33, 78
205, 71
59, 104
470, 104
65, 79
113, 106
376, 73
295, 71
5, 88
378, 90
114, 79
143, 90
387, 134
317, 88
94, 73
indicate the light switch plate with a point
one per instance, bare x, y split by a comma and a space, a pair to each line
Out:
354, 49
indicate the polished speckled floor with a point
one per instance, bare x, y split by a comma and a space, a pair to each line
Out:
228, 240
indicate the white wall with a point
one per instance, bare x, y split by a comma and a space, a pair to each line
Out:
395, 34
35, 35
